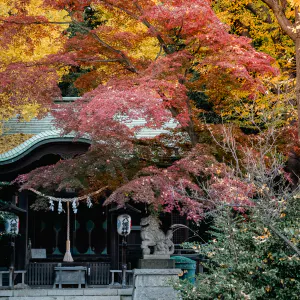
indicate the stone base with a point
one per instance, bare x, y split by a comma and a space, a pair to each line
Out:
156, 256
21, 286
155, 284
67, 294
156, 263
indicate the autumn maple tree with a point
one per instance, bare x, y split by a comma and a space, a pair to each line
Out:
148, 54
140, 59
148, 59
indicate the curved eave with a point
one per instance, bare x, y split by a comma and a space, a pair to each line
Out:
36, 141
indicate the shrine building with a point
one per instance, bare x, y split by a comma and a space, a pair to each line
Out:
41, 242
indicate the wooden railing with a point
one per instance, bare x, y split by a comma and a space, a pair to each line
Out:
11, 276
99, 273
42, 273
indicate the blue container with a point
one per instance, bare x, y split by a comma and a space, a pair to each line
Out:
188, 267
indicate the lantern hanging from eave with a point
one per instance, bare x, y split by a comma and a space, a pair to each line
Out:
124, 224
12, 225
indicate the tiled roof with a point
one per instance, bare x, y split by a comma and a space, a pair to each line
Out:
46, 132
34, 126
36, 141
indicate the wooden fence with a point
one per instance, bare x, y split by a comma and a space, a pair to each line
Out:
99, 273
42, 274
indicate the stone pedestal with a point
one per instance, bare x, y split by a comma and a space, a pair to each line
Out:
156, 256
156, 264
153, 261
154, 284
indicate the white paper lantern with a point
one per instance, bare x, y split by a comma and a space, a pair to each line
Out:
12, 225
124, 224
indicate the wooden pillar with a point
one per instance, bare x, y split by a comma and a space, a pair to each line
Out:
114, 241
22, 239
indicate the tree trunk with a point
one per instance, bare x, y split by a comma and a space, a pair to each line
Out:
297, 55
192, 133
293, 31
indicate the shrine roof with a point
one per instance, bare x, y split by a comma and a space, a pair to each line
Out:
37, 140
43, 131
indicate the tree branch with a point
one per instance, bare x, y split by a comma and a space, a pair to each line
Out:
33, 23
148, 25
99, 60
143, 20
287, 241
125, 59
120, 8
278, 10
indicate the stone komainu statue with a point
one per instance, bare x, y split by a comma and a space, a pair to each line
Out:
152, 235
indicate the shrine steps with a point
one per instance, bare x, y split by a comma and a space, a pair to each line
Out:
67, 294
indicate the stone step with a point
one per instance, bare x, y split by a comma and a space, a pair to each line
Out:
67, 294
64, 298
